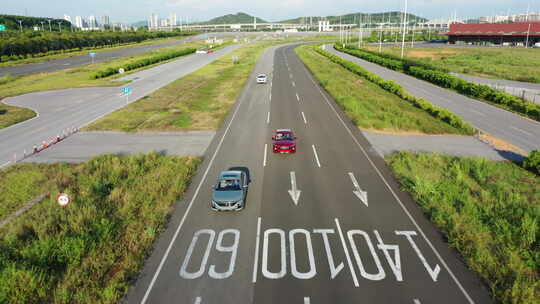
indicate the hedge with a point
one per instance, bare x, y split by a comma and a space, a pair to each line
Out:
142, 63
392, 87
442, 78
532, 162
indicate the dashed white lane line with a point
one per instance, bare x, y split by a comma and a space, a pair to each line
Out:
435, 251
353, 272
256, 259
306, 300
290, 75
198, 300
304, 117
293, 84
297, 97
186, 213
316, 156
520, 130
416, 301
478, 112
268, 118
265, 153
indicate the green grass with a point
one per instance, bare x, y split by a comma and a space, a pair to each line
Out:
368, 105
84, 51
518, 64
79, 77
489, 212
91, 250
198, 101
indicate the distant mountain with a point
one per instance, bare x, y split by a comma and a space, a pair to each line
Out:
393, 17
12, 22
232, 19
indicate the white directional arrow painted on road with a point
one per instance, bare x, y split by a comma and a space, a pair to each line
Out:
294, 192
362, 195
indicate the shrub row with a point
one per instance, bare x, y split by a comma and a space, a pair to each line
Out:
142, 63
442, 78
532, 162
394, 88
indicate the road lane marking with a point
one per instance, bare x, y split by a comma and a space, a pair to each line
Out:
257, 242
316, 156
431, 246
198, 300
268, 118
478, 112
306, 300
270, 97
290, 75
304, 117
297, 97
334, 270
353, 273
283, 270
416, 301
294, 192
293, 84
362, 195
173, 240
311, 256
520, 130
434, 273
265, 152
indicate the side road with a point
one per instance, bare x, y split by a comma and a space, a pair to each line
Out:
519, 131
73, 108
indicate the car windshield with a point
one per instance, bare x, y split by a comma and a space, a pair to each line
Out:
228, 185
284, 136
262, 76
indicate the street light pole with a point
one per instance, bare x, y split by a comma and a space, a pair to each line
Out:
404, 30
50, 28
20, 25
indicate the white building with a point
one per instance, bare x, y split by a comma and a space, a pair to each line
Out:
324, 26
79, 22
153, 21
172, 19
67, 18
164, 22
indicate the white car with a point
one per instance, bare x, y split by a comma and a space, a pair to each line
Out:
261, 78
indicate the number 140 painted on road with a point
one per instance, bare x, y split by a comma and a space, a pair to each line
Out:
378, 250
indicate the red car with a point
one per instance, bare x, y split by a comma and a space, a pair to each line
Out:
284, 141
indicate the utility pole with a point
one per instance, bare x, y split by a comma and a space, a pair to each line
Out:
404, 30
42, 29
20, 25
528, 32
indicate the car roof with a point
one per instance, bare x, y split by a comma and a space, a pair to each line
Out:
283, 131
230, 174
261, 75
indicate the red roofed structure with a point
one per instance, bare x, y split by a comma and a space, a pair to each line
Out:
497, 33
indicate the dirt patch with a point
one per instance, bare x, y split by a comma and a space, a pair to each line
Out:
405, 133
433, 54
500, 144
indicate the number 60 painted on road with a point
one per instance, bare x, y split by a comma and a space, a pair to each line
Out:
233, 249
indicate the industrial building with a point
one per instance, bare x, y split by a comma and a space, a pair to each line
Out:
515, 33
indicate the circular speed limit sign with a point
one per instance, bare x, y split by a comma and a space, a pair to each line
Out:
62, 199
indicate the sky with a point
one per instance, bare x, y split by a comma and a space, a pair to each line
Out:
273, 10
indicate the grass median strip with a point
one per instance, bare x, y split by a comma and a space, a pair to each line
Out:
79, 77
91, 250
198, 101
489, 212
367, 104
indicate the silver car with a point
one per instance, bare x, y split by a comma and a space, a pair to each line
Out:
230, 190
261, 78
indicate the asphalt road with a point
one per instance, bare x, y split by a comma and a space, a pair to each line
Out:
73, 108
517, 130
75, 61
332, 246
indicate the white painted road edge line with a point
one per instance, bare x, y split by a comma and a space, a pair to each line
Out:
293, 84
353, 273
162, 262
520, 130
297, 97
257, 242
316, 156
268, 118
265, 152
304, 117
394, 194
